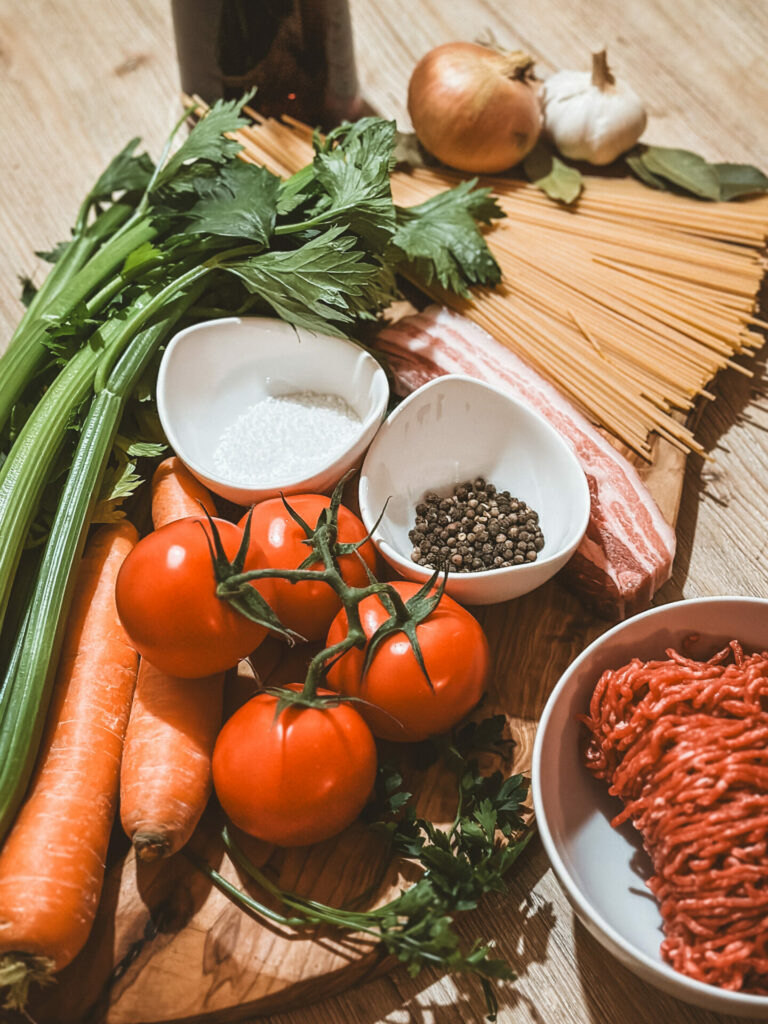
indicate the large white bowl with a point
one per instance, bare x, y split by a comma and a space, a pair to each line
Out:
456, 428
601, 868
212, 372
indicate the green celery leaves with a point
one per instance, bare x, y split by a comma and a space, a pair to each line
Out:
244, 205
441, 240
322, 284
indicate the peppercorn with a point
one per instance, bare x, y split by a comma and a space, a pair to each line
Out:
474, 529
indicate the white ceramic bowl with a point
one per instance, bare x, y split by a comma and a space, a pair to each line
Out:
212, 372
601, 868
456, 428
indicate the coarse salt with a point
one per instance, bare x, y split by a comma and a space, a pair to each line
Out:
285, 437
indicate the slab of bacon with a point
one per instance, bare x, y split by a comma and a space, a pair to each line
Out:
628, 549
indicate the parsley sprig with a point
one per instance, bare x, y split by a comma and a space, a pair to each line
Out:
460, 864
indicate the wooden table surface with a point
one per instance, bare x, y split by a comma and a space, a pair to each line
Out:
78, 79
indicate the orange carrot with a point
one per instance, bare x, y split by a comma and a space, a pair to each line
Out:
177, 494
165, 779
52, 864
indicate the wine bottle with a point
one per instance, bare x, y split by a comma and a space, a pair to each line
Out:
298, 54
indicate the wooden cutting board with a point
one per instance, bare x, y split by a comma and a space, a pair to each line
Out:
166, 946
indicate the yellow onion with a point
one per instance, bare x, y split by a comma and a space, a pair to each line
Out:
473, 108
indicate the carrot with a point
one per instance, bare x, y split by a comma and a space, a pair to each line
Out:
177, 494
165, 779
52, 864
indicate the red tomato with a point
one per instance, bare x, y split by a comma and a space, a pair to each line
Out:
456, 656
307, 607
297, 779
166, 599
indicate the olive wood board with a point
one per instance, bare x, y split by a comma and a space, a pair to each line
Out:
166, 946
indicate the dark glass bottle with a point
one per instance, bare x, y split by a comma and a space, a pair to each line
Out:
297, 53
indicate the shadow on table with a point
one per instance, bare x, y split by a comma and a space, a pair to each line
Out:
520, 924
738, 397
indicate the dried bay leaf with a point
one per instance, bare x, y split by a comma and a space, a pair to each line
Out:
638, 168
683, 168
740, 180
679, 169
559, 181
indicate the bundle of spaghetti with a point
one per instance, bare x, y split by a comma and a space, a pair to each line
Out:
630, 302
631, 316
684, 744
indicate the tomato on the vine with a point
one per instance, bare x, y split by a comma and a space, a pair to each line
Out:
307, 607
296, 779
399, 702
166, 599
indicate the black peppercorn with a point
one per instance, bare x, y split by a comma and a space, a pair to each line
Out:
474, 529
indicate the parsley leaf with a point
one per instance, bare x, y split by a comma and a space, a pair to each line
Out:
28, 289
54, 255
120, 481
66, 335
123, 479
353, 166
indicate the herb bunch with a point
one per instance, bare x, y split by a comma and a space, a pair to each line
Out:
461, 863
199, 234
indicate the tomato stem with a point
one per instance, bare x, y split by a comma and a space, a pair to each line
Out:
233, 586
319, 664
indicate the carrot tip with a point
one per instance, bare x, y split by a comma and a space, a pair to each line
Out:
150, 846
20, 970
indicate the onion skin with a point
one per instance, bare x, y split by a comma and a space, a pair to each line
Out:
473, 108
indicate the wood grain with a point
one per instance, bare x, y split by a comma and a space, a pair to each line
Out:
78, 79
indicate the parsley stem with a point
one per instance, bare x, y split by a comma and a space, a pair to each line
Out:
306, 225
242, 899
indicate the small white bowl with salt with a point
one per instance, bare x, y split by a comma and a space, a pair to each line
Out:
254, 406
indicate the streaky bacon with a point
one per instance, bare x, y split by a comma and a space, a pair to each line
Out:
629, 547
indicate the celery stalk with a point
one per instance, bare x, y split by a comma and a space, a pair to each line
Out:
81, 248
29, 677
25, 472
26, 352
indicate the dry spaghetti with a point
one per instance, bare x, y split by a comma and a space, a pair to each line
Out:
630, 303
684, 744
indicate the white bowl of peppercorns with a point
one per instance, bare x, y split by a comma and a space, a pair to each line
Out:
473, 481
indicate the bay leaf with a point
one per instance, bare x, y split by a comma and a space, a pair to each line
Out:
683, 168
635, 163
559, 181
740, 180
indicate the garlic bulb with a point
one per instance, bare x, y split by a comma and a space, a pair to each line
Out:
590, 117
